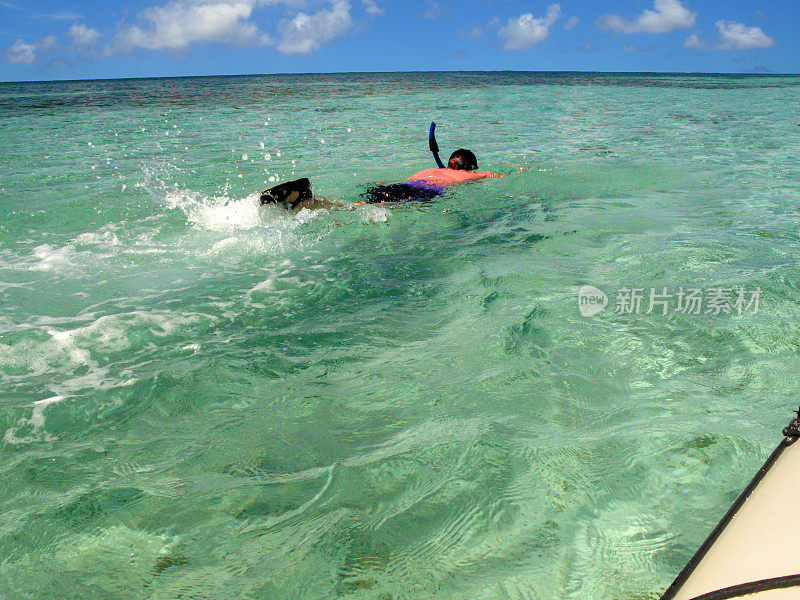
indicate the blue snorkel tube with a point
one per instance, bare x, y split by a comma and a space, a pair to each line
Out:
434, 146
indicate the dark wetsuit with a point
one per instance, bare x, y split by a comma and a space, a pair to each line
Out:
418, 191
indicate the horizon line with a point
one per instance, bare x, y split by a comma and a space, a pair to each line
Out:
283, 73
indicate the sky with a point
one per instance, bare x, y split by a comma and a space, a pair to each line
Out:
91, 39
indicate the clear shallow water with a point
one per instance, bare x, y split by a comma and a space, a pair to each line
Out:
204, 398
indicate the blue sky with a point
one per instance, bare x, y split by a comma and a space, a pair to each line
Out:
43, 39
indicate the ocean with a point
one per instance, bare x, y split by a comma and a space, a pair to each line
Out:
547, 385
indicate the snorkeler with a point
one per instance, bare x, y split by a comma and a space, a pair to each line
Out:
428, 184
421, 187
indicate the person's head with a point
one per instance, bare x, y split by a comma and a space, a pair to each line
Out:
462, 160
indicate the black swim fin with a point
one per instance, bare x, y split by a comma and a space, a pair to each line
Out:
290, 194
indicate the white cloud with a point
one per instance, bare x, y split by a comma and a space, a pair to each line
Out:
525, 31
473, 32
83, 38
24, 53
372, 8
737, 36
435, 10
668, 15
571, 22
694, 41
305, 33
177, 24
21, 53
61, 16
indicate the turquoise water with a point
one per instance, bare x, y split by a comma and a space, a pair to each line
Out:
203, 398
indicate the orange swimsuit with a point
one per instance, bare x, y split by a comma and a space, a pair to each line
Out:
447, 177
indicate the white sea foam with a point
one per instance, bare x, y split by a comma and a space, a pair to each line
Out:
49, 258
266, 287
218, 213
74, 256
105, 236
75, 359
31, 429
370, 213
244, 224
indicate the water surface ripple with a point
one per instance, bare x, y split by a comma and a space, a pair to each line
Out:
207, 399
